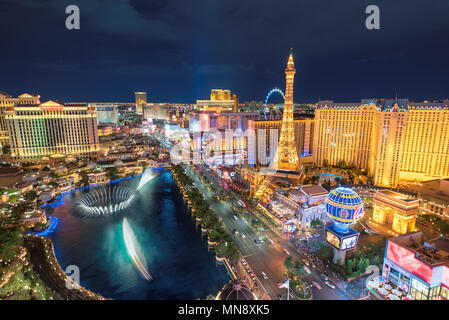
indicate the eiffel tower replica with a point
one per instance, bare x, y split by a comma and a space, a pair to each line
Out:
285, 165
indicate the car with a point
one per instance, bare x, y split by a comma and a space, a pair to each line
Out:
302, 239
307, 270
316, 285
243, 236
330, 284
286, 251
272, 242
306, 262
264, 275
324, 276
256, 285
235, 217
244, 263
317, 235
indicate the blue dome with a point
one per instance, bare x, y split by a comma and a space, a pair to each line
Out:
344, 206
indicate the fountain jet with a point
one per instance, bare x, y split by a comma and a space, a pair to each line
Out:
147, 176
134, 250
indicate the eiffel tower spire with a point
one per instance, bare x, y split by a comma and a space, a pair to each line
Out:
286, 157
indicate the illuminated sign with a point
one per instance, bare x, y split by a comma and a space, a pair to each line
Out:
349, 243
332, 239
406, 260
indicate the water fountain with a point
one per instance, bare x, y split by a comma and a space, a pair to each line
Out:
146, 177
134, 250
104, 201
110, 200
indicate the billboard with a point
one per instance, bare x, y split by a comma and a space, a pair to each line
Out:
332, 239
406, 260
349, 243
341, 241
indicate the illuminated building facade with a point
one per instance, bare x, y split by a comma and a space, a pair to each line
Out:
156, 111
394, 139
420, 269
307, 203
106, 114
220, 101
395, 210
52, 128
6, 101
203, 121
303, 137
141, 100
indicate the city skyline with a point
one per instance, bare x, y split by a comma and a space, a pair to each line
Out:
224, 150
164, 49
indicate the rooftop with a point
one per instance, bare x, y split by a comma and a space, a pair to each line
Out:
433, 252
396, 195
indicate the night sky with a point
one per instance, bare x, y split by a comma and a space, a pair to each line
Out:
177, 50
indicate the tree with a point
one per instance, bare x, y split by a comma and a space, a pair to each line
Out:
10, 239
30, 195
299, 268
326, 252
361, 264
84, 179
20, 208
349, 266
375, 261
112, 173
288, 263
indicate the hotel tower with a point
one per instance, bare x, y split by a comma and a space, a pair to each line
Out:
394, 139
52, 128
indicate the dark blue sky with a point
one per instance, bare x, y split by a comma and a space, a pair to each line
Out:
177, 50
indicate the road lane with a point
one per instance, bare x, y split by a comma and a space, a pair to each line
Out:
263, 257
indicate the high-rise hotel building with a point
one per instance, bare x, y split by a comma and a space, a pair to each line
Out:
52, 128
220, 101
394, 139
268, 135
6, 101
141, 101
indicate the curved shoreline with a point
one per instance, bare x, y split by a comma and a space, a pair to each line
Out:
45, 263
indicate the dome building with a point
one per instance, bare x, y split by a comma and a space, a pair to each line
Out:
234, 290
345, 207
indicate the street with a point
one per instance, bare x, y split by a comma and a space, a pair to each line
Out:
267, 258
